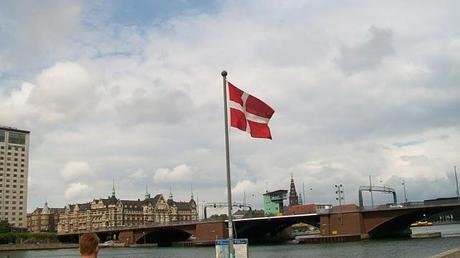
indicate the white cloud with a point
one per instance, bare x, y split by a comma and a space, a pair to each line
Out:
77, 170
178, 174
132, 99
138, 174
38, 32
78, 191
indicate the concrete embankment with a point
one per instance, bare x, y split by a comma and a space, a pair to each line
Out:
427, 235
453, 253
17, 247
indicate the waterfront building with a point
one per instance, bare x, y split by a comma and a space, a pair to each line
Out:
182, 211
112, 212
14, 163
273, 202
293, 198
44, 219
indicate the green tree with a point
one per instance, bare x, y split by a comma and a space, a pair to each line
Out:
5, 226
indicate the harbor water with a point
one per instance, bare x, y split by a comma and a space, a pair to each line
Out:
393, 248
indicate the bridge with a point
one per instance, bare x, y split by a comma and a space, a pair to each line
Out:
391, 220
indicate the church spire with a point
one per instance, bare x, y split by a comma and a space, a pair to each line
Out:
113, 187
146, 195
293, 198
170, 193
191, 191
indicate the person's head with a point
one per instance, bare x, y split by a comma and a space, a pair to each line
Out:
89, 245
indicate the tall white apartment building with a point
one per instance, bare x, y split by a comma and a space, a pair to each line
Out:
14, 163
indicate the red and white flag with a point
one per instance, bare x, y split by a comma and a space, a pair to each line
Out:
249, 113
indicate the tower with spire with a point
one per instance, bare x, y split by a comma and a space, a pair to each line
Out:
191, 191
113, 188
293, 198
170, 194
147, 194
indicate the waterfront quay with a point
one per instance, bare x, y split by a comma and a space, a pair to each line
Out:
340, 223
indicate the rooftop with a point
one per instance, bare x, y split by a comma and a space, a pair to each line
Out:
13, 129
276, 192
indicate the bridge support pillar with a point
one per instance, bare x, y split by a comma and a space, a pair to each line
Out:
349, 221
126, 237
211, 231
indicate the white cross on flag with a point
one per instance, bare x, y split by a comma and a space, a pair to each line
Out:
249, 113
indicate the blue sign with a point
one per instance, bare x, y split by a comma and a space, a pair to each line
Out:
239, 241
240, 246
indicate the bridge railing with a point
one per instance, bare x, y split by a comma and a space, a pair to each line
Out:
116, 228
394, 205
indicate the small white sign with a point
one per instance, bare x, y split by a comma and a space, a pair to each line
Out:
240, 246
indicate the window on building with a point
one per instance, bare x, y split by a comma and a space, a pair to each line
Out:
17, 138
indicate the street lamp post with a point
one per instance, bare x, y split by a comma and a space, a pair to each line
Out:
405, 192
339, 192
456, 183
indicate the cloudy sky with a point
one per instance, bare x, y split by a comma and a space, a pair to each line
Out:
131, 91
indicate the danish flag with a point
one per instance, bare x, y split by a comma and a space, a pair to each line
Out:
249, 113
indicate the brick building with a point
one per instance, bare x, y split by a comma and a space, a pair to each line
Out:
43, 219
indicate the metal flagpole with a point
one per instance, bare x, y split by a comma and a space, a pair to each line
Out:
229, 184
